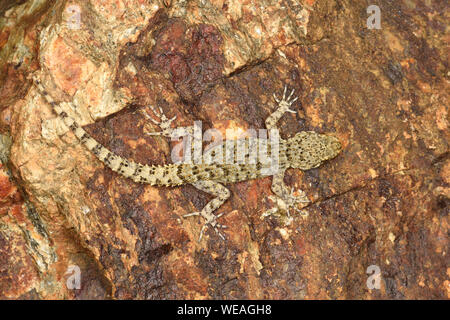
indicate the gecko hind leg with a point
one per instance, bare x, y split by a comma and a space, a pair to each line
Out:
164, 122
221, 195
284, 198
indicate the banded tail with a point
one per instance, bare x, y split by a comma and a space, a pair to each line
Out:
168, 175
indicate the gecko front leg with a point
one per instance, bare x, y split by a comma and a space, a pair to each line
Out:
284, 198
221, 195
284, 105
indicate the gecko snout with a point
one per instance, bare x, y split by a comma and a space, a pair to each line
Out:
332, 147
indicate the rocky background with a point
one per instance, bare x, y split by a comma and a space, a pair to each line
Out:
383, 202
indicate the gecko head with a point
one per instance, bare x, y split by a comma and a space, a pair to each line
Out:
307, 149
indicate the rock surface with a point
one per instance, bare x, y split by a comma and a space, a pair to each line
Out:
384, 201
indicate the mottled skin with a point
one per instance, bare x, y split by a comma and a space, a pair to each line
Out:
306, 150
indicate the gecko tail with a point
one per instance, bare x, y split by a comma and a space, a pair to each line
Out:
140, 173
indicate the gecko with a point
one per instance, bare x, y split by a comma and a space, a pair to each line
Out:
305, 150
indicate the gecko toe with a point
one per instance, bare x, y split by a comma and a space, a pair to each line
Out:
191, 214
201, 233
276, 98
290, 95
284, 92
219, 233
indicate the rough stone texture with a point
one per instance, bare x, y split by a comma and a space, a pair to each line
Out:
383, 201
